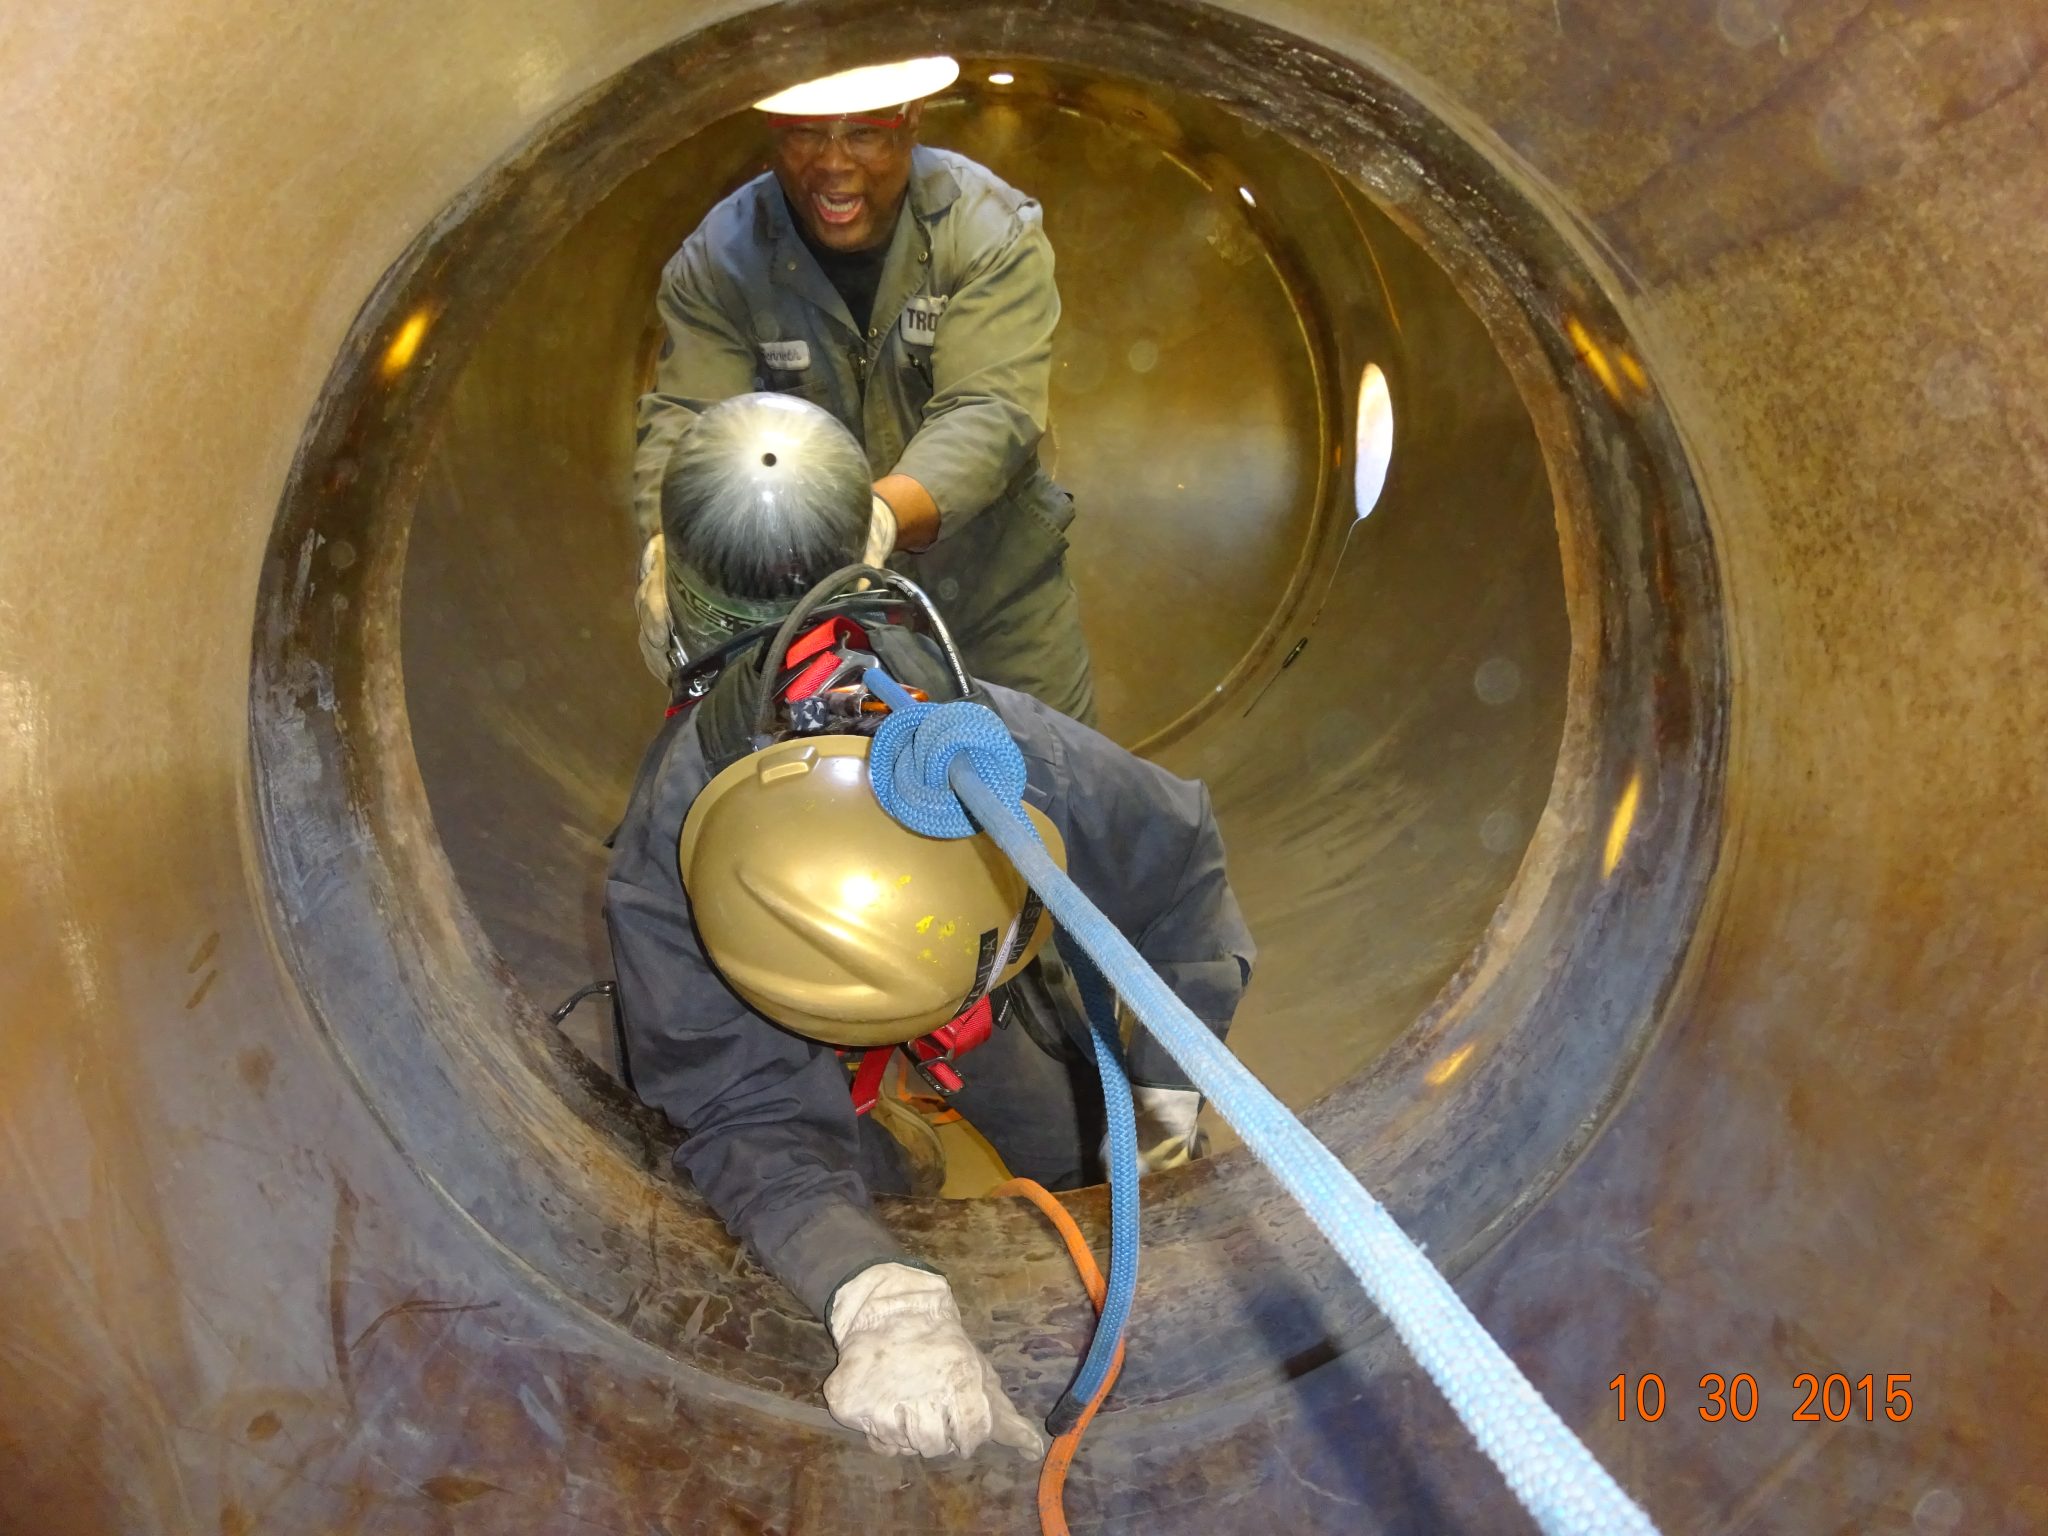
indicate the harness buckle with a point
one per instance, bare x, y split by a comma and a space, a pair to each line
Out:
932, 1055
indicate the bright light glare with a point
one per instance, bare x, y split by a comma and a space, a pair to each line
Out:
1618, 828
1375, 440
1447, 1069
399, 355
859, 892
1246, 194
870, 89
1002, 77
1594, 358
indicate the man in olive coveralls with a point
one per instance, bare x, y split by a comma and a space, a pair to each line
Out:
909, 292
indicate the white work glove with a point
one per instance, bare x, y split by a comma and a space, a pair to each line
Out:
650, 602
908, 1377
881, 534
1167, 1136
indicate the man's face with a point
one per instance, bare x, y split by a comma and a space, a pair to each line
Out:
845, 176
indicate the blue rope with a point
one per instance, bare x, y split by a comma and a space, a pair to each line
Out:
916, 764
1546, 1467
1122, 1285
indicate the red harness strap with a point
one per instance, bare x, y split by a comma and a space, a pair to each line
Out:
867, 1077
933, 1056
815, 645
822, 637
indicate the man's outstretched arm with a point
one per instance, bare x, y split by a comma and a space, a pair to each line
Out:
704, 359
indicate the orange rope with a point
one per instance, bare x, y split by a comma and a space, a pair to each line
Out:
1052, 1476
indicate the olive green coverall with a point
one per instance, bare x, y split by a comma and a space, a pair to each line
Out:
948, 385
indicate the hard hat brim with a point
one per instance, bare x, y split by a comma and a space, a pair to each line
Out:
867, 89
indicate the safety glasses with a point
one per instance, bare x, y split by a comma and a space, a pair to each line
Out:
865, 138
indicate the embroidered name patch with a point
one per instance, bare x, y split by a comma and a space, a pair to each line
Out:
921, 319
786, 356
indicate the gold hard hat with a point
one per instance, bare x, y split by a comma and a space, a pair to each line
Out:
831, 918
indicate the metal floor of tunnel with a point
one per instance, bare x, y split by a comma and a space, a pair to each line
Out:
1695, 1008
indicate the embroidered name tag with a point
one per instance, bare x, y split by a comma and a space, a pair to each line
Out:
786, 356
921, 319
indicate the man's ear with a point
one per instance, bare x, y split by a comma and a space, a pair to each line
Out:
912, 116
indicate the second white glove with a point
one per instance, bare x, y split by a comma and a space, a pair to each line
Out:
908, 1376
881, 534
650, 603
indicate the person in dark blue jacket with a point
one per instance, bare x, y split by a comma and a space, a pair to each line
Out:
770, 495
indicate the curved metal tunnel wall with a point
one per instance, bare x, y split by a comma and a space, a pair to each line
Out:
233, 1304
1213, 481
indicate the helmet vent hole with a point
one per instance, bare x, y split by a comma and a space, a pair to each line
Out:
768, 459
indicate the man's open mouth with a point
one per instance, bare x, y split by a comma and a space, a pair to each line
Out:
837, 208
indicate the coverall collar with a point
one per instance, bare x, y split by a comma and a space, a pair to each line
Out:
931, 191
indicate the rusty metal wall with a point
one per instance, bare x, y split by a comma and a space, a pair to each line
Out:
233, 1304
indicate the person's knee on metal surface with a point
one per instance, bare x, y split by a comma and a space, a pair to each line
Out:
908, 291
778, 935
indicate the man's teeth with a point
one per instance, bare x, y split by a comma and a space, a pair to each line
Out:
833, 204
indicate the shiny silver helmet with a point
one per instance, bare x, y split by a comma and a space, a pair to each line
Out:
763, 495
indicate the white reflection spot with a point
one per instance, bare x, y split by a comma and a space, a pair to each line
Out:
1938, 1512
1497, 680
1500, 832
1375, 439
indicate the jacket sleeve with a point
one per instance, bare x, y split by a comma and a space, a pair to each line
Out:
991, 376
704, 359
769, 1135
1143, 845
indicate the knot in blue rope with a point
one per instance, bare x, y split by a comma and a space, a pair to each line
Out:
913, 753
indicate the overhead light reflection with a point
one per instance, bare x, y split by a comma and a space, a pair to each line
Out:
1618, 829
1448, 1068
859, 892
1375, 441
1368, 480
1594, 358
1246, 194
406, 344
857, 90
1002, 77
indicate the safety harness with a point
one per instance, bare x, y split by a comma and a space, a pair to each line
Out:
822, 687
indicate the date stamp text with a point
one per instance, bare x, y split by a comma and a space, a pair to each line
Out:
1835, 1398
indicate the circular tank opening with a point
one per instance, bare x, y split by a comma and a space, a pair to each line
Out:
1205, 417
1463, 751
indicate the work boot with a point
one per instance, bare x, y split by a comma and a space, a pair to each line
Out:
923, 1152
